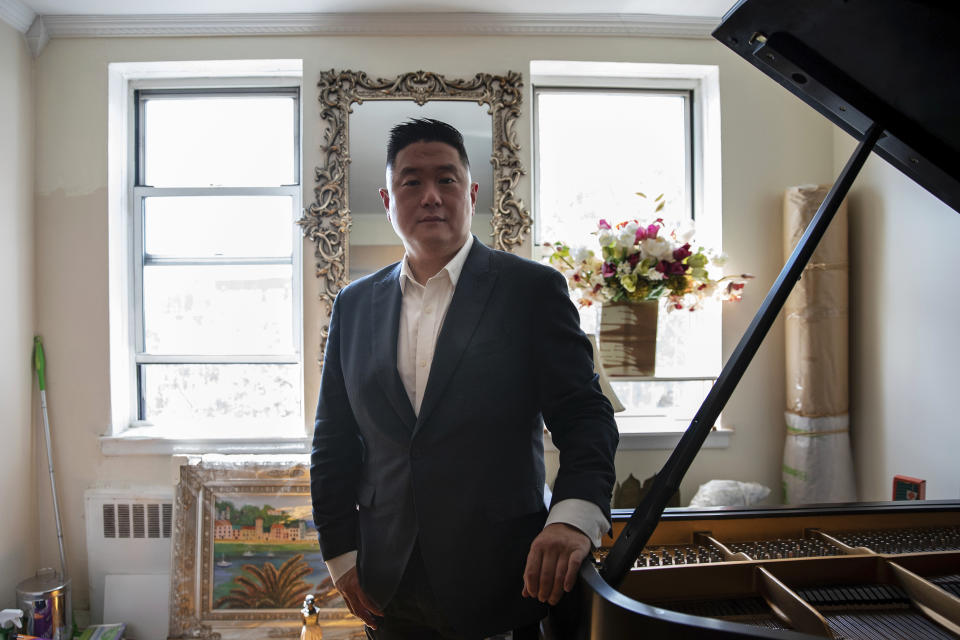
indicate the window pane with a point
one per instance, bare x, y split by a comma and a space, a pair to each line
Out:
620, 143
210, 391
218, 309
219, 141
209, 226
624, 142
688, 342
672, 402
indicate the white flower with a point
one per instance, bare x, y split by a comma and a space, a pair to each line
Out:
624, 268
718, 259
627, 236
605, 237
596, 278
691, 301
658, 248
581, 254
686, 232
653, 274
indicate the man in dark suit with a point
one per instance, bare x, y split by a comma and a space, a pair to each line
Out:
427, 470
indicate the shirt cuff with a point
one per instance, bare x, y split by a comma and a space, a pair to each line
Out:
341, 564
582, 514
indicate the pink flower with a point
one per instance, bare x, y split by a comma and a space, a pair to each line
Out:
603, 224
682, 252
652, 230
609, 270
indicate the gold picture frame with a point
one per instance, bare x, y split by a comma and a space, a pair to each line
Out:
211, 492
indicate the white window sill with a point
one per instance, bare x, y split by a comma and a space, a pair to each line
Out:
242, 439
285, 439
639, 434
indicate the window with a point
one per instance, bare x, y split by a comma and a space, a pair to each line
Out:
215, 300
602, 133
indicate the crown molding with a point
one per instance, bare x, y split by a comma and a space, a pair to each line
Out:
17, 14
260, 24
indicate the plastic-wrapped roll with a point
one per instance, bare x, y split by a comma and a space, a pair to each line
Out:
818, 466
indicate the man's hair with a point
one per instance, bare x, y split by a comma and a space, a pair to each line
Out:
424, 130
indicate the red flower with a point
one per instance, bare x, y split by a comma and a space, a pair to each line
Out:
633, 259
682, 252
608, 270
677, 269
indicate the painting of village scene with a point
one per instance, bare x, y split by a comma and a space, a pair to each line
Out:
266, 554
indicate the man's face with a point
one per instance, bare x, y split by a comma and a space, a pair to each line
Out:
430, 199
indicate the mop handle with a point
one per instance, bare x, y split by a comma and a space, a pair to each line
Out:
40, 364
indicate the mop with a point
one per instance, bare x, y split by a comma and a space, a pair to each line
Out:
39, 363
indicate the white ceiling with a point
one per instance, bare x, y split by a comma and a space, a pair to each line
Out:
41, 20
700, 8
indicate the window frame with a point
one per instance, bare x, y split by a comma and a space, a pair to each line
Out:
693, 193
129, 84
700, 83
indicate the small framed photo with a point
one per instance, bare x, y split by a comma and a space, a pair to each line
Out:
907, 488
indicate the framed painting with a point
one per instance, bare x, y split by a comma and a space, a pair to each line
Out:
245, 553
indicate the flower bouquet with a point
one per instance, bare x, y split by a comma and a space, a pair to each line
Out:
640, 262
637, 265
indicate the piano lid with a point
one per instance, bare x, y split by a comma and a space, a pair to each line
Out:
894, 62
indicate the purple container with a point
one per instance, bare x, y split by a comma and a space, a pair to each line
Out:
45, 601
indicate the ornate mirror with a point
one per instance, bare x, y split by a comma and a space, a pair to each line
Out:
346, 215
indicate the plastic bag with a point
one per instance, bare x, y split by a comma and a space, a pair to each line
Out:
729, 493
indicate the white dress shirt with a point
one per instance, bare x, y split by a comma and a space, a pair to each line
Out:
422, 311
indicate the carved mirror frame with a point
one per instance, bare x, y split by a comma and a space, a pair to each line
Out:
326, 222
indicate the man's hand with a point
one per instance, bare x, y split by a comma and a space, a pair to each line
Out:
553, 562
357, 601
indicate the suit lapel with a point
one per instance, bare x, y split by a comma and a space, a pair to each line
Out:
473, 289
385, 324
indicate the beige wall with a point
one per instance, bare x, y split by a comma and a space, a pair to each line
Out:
903, 331
770, 141
17, 476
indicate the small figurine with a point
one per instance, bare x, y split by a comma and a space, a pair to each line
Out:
311, 620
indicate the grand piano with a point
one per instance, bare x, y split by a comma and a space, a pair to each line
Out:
883, 71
